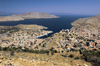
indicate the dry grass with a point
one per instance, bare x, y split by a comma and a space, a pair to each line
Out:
46, 60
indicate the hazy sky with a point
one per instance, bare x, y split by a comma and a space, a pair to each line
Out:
88, 7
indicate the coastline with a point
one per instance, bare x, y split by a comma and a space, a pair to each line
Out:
30, 15
44, 35
29, 18
46, 22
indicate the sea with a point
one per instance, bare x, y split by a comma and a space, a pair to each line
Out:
53, 24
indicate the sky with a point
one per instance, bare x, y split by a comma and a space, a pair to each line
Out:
80, 7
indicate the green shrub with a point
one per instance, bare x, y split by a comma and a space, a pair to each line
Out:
12, 53
76, 58
71, 55
52, 53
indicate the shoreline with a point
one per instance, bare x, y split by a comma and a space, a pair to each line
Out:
39, 37
29, 18
30, 15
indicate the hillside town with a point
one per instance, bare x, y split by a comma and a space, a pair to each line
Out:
25, 37
66, 40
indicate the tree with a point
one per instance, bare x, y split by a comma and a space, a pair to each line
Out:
95, 43
14, 48
87, 43
48, 53
55, 51
31, 43
25, 50
5, 49
76, 58
71, 55
36, 47
18, 50
40, 44
43, 45
12, 53
19, 47
51, 49
0, 48
62, 51
75, 46
52, 53
72, 49
80, 51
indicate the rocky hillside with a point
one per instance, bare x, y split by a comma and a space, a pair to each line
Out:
22, 26
31, 59
29, 15
91, 24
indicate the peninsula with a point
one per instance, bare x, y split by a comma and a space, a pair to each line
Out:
30, 15
84, 26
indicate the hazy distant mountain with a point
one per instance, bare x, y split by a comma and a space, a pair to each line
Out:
6, 14
62, 13
29, 15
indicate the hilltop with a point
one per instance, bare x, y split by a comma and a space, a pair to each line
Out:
92, 24
29, 15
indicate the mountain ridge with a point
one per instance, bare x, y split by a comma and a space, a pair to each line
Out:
90, 23
29, 15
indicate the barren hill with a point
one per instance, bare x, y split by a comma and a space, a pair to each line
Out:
29, 15
91, 24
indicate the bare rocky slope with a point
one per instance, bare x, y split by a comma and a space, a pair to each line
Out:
91, 23
29, 15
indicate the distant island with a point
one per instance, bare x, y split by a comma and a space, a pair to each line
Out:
29, 15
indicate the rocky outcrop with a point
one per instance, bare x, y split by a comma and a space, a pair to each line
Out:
29, 15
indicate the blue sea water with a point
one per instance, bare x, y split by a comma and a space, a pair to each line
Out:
53, 24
